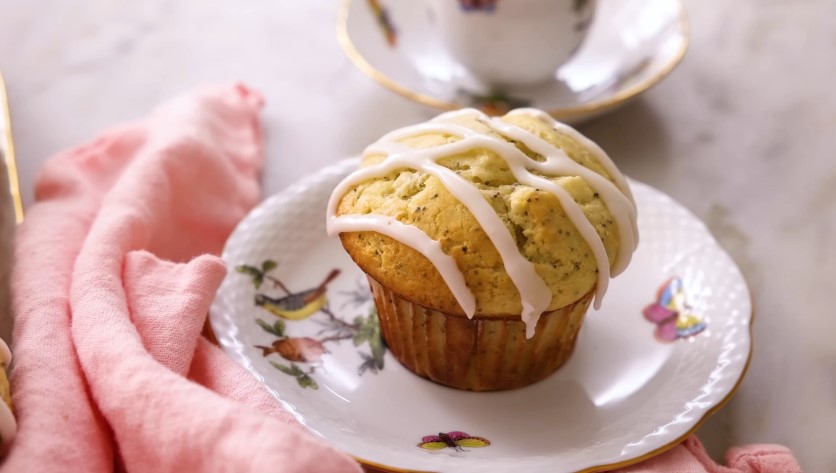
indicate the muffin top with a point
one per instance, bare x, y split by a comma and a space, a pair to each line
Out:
468, 214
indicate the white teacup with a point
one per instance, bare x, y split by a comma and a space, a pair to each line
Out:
512, 42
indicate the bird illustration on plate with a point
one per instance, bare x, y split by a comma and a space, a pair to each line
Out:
303, 349
298, 305
305, 352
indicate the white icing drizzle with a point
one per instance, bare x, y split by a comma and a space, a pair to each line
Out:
8, 424
418, 240
558, 163
517, 162
535, 295
603, 157
534, 292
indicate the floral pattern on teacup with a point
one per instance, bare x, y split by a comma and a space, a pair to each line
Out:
478, 5
384, 22
493, 103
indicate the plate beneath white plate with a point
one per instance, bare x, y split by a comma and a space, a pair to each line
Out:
625, 394
631, 46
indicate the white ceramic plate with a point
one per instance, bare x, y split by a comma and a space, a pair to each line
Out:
631, 46
625, 394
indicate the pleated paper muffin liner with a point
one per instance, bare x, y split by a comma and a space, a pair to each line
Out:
486, 353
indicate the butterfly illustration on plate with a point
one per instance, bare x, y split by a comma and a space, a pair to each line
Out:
673, 317
455, 440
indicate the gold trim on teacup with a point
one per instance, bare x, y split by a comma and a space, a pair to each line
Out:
9, 155
564, 113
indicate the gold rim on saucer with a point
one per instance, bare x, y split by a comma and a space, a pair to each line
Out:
563, 113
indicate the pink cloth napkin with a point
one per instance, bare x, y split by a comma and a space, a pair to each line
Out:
690, 457
111, 293
113, 280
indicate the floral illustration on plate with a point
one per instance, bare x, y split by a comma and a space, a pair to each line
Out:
384, 22
673, 316
305, 352
478, 5
456, 440
494, 103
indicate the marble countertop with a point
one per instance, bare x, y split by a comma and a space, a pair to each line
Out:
741, 133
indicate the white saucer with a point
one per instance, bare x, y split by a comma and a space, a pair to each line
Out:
624, 396
631, 46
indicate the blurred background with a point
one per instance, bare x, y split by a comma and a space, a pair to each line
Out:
742, 133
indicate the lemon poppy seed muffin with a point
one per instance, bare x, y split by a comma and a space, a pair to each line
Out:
484, 240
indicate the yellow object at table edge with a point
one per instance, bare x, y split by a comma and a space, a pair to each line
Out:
9, 155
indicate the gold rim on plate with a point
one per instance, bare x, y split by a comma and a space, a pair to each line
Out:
9, 155
563, 113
